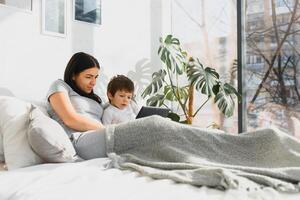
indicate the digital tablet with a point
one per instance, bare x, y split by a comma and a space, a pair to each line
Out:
146, 111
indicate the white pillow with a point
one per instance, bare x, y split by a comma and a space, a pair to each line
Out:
14, 120
48, 139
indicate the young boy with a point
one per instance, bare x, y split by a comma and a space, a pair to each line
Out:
120, 90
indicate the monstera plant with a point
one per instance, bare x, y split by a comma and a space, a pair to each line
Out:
180, 77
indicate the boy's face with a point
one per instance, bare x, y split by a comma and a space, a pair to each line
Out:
121, 99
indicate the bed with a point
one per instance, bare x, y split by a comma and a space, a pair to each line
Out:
94, 179
91, 180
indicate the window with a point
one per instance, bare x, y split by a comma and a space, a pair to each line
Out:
283, 3
208, 31
279, 94
258, 59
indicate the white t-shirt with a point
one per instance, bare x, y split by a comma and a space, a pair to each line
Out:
114, 115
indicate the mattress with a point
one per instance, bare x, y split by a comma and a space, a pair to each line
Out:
92, 180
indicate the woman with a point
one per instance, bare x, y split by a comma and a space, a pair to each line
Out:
73, 104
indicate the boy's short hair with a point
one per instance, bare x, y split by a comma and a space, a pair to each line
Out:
120, 82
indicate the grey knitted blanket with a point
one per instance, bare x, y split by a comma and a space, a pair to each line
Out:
163, 149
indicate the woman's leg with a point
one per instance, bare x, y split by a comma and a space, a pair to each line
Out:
90, 144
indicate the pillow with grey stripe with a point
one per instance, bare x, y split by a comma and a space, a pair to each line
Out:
48, 139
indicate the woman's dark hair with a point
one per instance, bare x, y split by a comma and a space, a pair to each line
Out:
79, 62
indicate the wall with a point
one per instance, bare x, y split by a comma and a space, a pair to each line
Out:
125, 43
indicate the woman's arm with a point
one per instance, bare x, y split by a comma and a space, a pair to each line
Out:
64, 109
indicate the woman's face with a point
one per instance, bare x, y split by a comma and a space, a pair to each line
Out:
86, 80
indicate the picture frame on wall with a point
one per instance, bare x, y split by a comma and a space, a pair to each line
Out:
22, 5
54, 14
87, 11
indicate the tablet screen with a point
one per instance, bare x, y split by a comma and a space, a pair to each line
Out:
148, 111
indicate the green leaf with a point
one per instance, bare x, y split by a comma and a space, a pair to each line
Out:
168, 39
216, 89
204, 79
156, 84
171, 55
180, 92
169, 93
233, 91
225, 99
173, 116
156, 100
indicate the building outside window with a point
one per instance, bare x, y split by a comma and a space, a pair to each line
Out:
273, 91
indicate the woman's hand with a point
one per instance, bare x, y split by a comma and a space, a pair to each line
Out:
62, 106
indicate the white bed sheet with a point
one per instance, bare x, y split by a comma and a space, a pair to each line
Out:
90, 180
